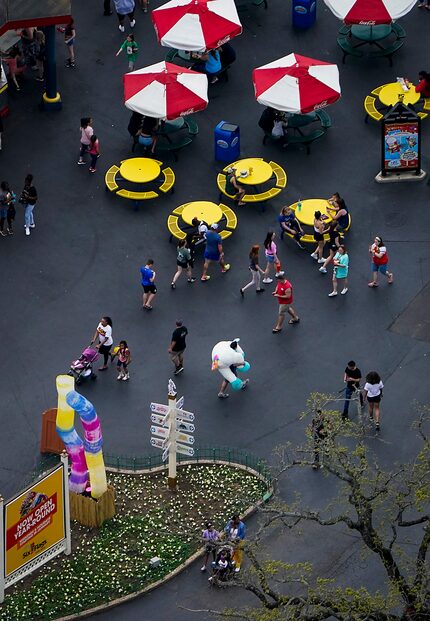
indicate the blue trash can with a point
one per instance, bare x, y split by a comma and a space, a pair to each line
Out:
227, 142
304, 13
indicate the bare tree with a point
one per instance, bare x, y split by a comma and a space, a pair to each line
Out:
374, 504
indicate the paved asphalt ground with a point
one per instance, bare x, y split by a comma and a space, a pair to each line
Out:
83, 259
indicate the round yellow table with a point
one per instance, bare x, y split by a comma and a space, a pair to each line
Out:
258, 171
203, 210
139, 169
389, 94
306, 214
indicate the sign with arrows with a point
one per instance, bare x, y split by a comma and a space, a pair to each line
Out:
185, 438
181, 426
158, 443
160, 432
184, 450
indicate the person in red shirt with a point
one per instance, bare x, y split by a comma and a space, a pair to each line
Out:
284, 293
423, 85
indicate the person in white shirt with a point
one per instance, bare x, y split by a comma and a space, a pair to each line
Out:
104, 334
373, 393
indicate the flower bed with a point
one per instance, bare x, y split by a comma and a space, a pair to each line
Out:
111, 562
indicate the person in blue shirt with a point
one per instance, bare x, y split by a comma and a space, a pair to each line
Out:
209, 63
148, 284
289, 224
213, 251
235, 531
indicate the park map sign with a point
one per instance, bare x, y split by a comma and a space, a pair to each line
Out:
34, 521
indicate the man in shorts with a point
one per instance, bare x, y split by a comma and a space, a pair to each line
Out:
148, 284
213, 251
284, 293
177, 347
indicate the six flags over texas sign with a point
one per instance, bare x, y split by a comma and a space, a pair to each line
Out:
34, 521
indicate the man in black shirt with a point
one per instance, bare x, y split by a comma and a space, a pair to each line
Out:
177, 347
29, 200
352, 377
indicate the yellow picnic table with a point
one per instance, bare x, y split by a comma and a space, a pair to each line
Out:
305, 215
258, 171
206, 211
389, 94
140, 169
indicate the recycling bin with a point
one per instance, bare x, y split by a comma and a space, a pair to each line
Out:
227, 142
304, 13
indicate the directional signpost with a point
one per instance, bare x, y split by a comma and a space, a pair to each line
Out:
171, 427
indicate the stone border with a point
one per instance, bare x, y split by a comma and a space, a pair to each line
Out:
154, 585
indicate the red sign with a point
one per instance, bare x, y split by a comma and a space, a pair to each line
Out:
32, 524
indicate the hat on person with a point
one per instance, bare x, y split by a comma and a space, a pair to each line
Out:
230, 169
243, 173
280, 275
214, 226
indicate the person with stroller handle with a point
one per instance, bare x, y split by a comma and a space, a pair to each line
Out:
104, 334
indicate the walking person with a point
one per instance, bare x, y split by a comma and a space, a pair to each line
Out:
183, 262
284, 293
333, 245
104, 334
177, 347
148, 284
255, 270
317, 254
378, 252
213, 252
210, 538
352, 377
124, 358
125, 8
94, 151
131, 49
340, 270
28, 199
86, 133
270, 251
373, 395
69, 40
7, 209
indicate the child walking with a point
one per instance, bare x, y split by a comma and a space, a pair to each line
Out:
94, 151
124, 359
131, 49
86, 133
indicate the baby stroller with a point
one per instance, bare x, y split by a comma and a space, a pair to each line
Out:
223, 566
82, 368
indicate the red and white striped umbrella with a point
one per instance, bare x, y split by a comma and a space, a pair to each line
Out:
196, 25
369, 12
296, 84
165, 91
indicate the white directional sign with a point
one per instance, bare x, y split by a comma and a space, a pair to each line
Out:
185, 450
184, 415
158, 443
159, 408
161, 432
158, 420
165, 454
182, 426
185, 438
180, 403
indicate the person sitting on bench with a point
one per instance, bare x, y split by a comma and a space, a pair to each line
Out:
233, 187
209, 63
148, 133
289, 224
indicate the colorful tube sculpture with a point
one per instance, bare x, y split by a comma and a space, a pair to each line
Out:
78, 480
93, 441
86, 456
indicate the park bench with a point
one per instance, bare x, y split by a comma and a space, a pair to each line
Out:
192, 126
173, 227
110, 181
324, 118
280, 175
388, 52
173, 147
347, 48
169, 180
370, 108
